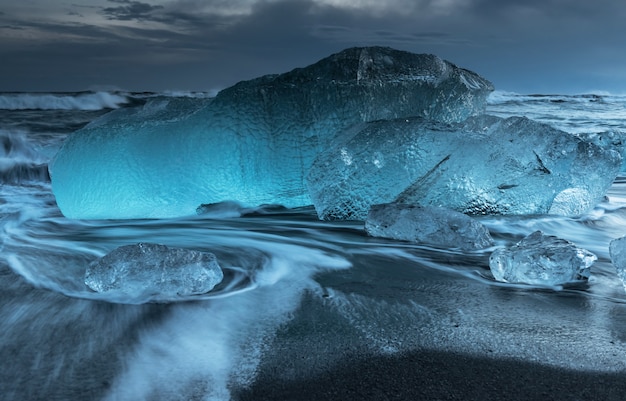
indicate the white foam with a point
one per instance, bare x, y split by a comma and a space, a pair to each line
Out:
62, 101
499, 96
441, 322
204, 348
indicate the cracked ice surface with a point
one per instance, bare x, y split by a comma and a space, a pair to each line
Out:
541, 260
154, 271
485, 165
254, 142
617, 251
428, 225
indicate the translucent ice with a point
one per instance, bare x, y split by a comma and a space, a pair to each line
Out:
485, 165
253, 142
154, 271
541, 260
617, 250
430, 225
609, 140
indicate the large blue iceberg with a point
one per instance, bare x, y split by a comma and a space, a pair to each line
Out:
485, 165
255, 141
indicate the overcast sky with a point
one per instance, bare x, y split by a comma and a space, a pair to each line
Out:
526, 46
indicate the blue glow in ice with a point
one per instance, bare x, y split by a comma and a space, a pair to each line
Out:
254, 142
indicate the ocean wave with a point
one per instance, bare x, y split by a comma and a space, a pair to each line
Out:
580, 113
505, 97
20, 160
16, 172
196, 95
90, 101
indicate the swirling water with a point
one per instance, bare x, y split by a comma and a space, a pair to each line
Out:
300, 295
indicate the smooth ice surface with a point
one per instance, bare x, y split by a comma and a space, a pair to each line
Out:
254, 142
485, 165
154, 270
541, 260
428, 225
617, 250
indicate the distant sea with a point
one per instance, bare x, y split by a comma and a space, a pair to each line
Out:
329, 296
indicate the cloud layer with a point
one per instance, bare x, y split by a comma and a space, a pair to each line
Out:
537, 45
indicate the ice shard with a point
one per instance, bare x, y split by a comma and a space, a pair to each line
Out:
617, 251
429, 225
254, 142
153, 271
541, 259
485, 165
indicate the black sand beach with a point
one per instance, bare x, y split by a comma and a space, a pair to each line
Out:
432, 375
317, 356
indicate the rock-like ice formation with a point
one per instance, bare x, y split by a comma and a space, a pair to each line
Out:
609, 140
541, 259
152, 271
617, 251
485, 165
430, 225
254, 142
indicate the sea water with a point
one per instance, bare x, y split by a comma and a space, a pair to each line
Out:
299, 296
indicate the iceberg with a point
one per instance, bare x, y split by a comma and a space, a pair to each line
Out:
541, 259
617, 251
254, 142
154, 272
485, 165
429, 225
609, 140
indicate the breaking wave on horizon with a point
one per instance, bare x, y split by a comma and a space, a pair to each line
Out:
86, 101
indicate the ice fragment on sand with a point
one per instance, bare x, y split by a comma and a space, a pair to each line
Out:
155, 271
485, 165
428, 225
254, 142
617, 250
541, 260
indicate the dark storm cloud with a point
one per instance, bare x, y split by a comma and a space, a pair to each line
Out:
581, 8
186, 44
130, 10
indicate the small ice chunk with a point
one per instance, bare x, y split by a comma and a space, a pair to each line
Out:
617, 250
541, 260
430, 225
154, 271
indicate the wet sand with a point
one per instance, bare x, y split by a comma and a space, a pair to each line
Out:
432, 375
